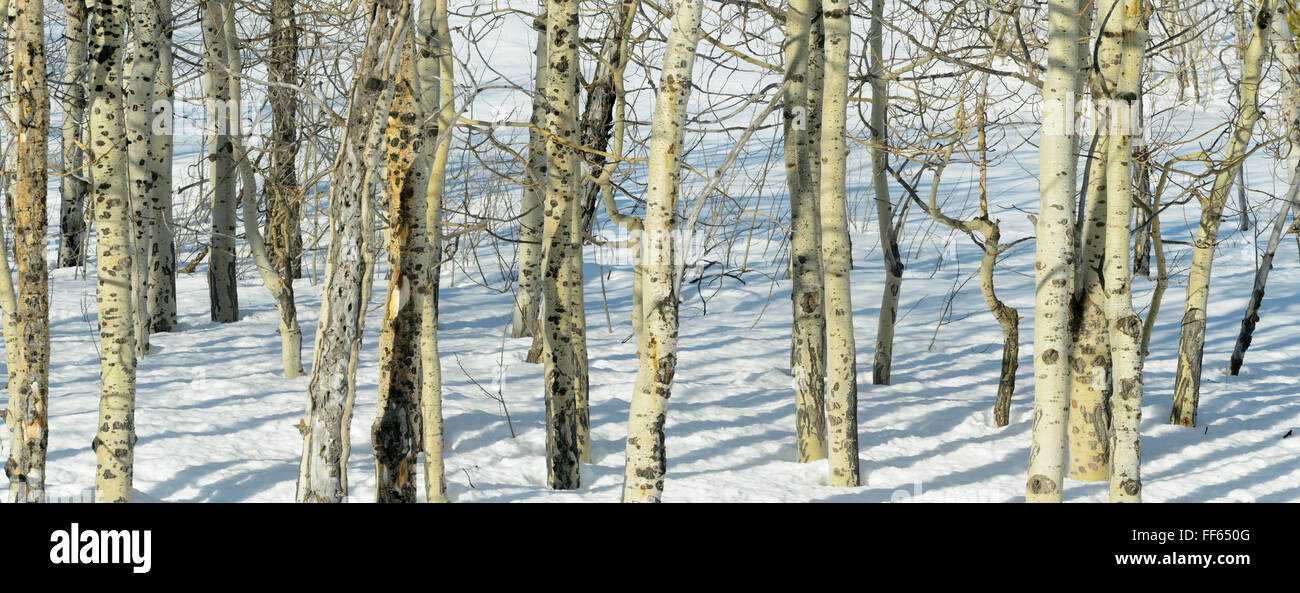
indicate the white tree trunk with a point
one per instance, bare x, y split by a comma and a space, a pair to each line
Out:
222, 288
1288, 56
1089, 421
1124, 325
435, 83
141, 69
808, 335
1191, 342
162, 244
884, 354
837, 259
322, 475
73, 185
527, 290
643, 476
114, 444
1054, 261
560, 209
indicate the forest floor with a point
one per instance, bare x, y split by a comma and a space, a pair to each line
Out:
217, 422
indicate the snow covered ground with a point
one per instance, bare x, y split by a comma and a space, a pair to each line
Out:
216, 421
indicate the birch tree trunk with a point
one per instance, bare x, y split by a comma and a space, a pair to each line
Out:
73, 185
841, 360
643, 476
141, 69
283, 224
114, 443
1284, 47
29, 438
1124, 325
808, 354
322, 476
884, 357
223, 294
560, 209
161, 300
1054, 265
1191, 342
396, 430
530, 222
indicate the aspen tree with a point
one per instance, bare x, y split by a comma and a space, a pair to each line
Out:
559, 208
1288, 56
841, 361
114, 444
643, 477
276, 278
1191, 340
73, 185
1090, 364
223, 294
322, 475
8, 294
990, 244
395, 433
30, 386
435, 82
1054, 262
161, 299
594, 135
283, 232
527, 289
1124, 325
140, 70
884, 357
808, 354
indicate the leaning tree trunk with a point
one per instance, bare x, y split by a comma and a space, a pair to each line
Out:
284, 211
1054, 265
29, 439
162, 242
436, 86
526, 309
396, 430
114, 444
643, 476
1124, 325
223, 296
141, 70
1284, 47
560, 207
1008, 317
884, 358
276, 279
73, 185
837, 259
1191, 341
808, 347
322, 475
